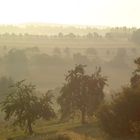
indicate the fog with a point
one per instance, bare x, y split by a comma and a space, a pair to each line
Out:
60, 82
45, 59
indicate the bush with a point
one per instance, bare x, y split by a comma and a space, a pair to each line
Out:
121, 117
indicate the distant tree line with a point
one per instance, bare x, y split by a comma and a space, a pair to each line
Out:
114, 33
55, 29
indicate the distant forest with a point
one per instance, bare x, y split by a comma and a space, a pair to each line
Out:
45, 29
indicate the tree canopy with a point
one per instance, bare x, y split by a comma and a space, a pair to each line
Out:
81, 93
25, 107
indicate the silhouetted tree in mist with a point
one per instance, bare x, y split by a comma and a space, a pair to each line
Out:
81, 93
23, 107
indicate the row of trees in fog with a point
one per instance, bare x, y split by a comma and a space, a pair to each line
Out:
81, 96
111, 35
43, 29
89, 36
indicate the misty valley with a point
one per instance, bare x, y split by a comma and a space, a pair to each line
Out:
69, 83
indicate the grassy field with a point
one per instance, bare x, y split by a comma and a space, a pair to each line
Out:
54, 130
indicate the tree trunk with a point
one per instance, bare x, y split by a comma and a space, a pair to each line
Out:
29, 127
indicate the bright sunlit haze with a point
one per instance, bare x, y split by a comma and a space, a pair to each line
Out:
79, 12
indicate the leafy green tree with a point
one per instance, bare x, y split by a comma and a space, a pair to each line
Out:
25, 107
121, 117
81, 93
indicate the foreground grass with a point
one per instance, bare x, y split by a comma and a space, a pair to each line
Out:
54, 130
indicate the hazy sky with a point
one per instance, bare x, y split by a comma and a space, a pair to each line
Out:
87, 12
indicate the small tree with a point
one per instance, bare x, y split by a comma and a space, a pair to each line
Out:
81, 93
46, 110
25, 107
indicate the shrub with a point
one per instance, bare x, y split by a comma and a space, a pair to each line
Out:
121, 117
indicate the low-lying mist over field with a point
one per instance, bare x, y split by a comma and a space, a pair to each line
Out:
82, 71
44, 59
70, 70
